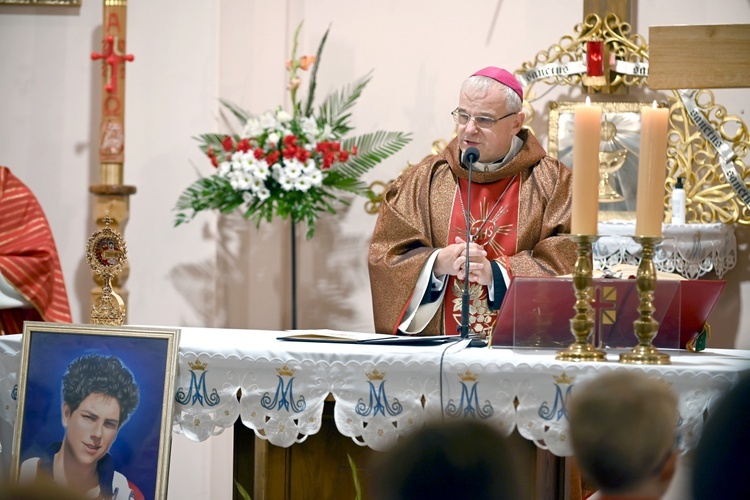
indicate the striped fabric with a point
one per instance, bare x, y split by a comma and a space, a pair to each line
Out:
28, 258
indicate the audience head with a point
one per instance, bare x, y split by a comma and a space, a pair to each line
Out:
622, 427
722, 458
454, 459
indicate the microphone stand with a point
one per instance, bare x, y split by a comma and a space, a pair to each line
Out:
471, 155
465, 297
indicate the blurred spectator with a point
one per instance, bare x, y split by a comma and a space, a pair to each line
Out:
622, 427
454, 459
722, 459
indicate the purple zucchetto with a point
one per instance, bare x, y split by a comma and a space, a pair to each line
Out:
502, 76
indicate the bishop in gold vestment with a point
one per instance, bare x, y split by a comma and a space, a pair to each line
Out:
519, 214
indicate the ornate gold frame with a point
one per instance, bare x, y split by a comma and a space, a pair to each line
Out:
691, 155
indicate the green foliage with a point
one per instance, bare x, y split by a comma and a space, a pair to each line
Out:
355, 478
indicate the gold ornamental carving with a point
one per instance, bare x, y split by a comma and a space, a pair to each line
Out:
693, 150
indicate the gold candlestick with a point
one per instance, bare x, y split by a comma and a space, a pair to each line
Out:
582, 323
646, 326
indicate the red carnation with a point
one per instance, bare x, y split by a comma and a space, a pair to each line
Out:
243, 145
328, 159
215, 161
290, 140
227, 143
272, 157
353, 150
343, 156
302, 155
258, 153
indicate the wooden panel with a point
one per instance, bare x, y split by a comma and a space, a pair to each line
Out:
318, 467
604, 7
699, 57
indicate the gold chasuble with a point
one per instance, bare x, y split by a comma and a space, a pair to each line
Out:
421, 212
493, 216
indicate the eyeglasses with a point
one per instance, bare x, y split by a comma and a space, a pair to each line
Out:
481, 121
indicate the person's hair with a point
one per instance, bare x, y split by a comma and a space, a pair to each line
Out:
454, 459
722, 458
482, 85
94, 373
622, 428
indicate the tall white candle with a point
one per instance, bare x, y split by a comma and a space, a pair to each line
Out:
652, 171
587, 129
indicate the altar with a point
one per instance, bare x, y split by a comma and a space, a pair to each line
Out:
297, 394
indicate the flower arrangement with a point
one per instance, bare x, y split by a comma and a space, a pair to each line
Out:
289, 164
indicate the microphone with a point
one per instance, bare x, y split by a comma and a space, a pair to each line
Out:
470, 156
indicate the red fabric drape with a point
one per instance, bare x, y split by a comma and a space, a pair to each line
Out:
28, 258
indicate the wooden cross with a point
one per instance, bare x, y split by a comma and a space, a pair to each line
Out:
699, 57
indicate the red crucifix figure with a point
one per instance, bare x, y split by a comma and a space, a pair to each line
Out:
112, 59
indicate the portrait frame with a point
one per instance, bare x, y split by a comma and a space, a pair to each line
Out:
620, 142
140, 448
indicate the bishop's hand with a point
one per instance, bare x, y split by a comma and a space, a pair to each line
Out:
451, 260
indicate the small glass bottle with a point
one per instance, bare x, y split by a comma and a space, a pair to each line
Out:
678, 203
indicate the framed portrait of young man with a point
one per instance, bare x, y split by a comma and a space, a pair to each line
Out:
95, 409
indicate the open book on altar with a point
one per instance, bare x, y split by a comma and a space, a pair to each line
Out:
536, 312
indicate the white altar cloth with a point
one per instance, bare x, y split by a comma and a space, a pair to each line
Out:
381, 392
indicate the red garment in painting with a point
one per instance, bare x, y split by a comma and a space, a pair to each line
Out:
28, 258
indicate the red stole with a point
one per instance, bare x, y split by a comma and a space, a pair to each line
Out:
494, 222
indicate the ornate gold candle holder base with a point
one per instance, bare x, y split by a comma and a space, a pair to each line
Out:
582, 323
646, 327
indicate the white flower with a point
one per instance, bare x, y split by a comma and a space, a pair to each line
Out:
252, 128
248, 197
309, 127
263, 194
268, 120
283, 117
224, 168
273, 137
239, 181
287, 184
261, 170
302, 184
292, 168
309, 167
316, 178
